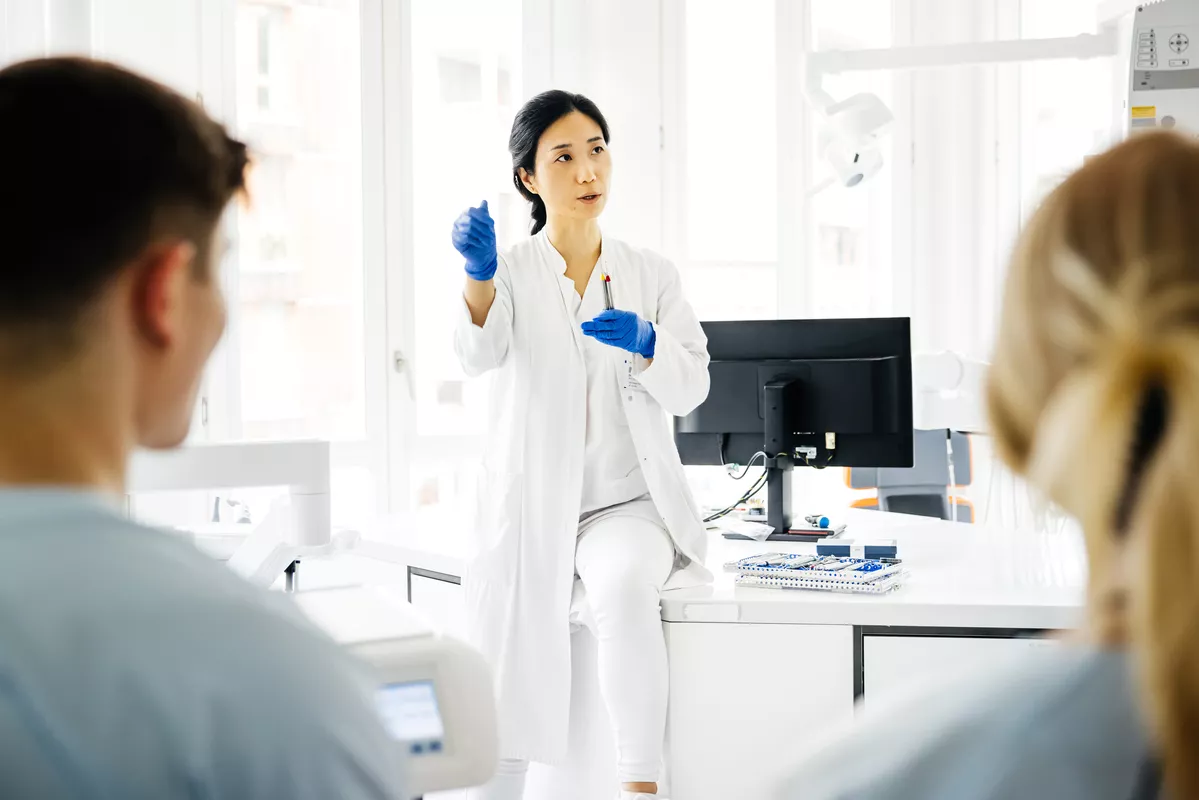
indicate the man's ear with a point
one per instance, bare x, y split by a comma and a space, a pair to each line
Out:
159, 290
527, 180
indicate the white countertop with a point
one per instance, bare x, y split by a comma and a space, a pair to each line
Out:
960, 576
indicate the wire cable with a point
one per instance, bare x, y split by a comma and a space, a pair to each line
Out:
748, 467
759, 484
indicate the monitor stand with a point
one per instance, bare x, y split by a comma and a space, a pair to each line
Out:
779, 396
778, 504
778, 494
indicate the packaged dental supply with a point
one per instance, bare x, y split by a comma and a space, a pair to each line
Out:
882, 585
829, 573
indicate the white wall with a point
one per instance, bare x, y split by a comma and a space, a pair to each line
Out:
948, 124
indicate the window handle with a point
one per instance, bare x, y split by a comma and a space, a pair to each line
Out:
401, 366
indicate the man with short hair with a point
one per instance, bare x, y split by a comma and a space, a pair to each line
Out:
131, 665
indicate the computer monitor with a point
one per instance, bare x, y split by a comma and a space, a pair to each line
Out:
819, 393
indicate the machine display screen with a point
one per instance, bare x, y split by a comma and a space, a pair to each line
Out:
411, 714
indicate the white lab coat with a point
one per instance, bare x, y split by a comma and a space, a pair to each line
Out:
520, 584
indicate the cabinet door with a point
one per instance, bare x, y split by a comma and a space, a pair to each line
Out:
894, 665
745, 701
442, 602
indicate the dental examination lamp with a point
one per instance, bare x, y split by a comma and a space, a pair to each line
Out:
849, 140
303, 467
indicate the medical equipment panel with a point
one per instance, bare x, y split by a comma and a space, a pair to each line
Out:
1163, 67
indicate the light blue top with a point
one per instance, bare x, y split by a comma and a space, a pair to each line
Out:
1060, 725
133, 666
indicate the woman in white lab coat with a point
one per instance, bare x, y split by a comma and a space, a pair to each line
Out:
583, 494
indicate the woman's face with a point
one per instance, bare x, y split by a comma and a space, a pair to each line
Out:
572, 168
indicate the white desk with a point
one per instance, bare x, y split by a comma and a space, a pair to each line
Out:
975, 593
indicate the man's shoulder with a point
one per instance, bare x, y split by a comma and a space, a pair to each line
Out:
146, 597
119, 627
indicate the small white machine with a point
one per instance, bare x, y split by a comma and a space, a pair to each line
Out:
1163, 67
435, 693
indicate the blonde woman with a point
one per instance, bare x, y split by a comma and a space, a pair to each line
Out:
1094, 397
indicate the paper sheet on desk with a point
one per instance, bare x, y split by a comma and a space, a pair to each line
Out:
752, 530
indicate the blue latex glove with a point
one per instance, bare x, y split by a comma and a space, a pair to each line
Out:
625, 330
474, 238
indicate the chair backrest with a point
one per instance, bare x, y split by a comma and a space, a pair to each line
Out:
922, 489
930, 465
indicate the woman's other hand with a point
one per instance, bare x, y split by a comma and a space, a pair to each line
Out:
474, 238
623, 329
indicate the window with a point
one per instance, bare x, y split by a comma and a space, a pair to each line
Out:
466, 79
1059, 128
739, 200
298, 296
730, 174
972, 152
293, 365
850, 244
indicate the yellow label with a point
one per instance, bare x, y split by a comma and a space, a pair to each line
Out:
1144, 112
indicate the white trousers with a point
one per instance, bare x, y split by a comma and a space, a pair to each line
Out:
623, 557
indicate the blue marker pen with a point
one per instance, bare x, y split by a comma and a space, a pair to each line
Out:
817, 521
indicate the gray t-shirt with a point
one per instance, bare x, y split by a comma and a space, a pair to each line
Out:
133, 666
1061, 724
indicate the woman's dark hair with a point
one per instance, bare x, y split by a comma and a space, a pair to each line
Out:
531, 122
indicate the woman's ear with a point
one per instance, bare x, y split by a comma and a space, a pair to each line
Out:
527, 180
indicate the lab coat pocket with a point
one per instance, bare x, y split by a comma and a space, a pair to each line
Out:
498, 518
687, 497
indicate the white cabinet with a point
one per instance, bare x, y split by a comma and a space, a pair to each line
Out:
895, 665
442, 602
746, 699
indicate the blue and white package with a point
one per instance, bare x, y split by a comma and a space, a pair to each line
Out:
851, 548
